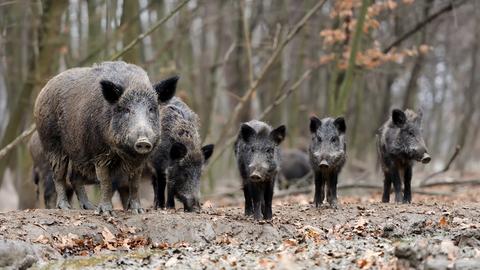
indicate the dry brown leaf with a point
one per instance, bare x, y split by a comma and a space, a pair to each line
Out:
108, 236
443, 223
361, 263
208, 204
161, 245
42, 239
290, 242
266, 263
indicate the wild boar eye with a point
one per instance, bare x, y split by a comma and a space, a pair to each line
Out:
151, 110
334, 139
269, 151
123, 110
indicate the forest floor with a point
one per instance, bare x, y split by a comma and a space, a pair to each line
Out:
432, 233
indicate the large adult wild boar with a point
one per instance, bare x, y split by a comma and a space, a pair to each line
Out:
400, 143
104, 119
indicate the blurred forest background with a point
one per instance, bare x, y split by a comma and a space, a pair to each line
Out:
278, 60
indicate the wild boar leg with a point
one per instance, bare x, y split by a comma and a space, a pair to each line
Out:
258, 198
105, 206
160, 190
247, 192
319, 189
267, 212
387, 185
170, 195
397, 184
60, 173
134, 198
407, 193
79, 188
82, 196
332, 190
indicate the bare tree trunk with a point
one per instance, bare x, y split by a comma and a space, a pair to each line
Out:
130, 11
470, 96
411, 91
236, 75
39, 70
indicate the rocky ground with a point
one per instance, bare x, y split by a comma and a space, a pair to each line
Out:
432, 233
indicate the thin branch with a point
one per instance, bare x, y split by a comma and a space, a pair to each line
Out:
265, 69
265, 112
17, 140
309, 190
471, 182
248, 45
149, 31
422, 24
5, 150
447, 166
287, 93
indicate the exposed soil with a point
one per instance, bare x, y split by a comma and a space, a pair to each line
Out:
433, 233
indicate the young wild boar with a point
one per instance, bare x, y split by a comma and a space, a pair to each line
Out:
294, 166
103, 119
327, 156
399, 143
179, 158
42, 173
258, 158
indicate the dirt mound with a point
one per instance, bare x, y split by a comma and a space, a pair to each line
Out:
299, 236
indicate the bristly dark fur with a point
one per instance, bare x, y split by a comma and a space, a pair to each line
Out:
258, 154
295, 165
179, 158
327, 154
83, 119
399, 144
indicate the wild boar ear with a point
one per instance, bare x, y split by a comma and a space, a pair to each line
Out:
278, 134
111, 91
166, 89
340, 125
315, 123
398, 117
246, 132
207, 151
178, 151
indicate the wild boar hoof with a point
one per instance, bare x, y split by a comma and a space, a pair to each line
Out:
135, 207
63, 204
105, 208
257, 215
318, 204
137, 211
334, 205
87, 205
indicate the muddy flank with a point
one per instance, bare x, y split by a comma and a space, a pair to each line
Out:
424, 235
